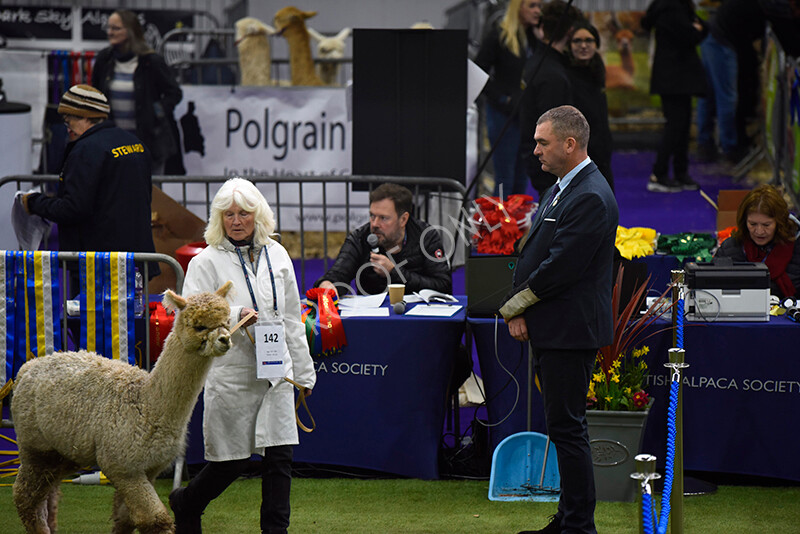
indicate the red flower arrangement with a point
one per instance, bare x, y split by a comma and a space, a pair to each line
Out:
500, 224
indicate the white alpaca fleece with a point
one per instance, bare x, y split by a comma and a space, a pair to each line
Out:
252, 42
78, 409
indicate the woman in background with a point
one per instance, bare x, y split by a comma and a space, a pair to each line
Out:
503, 54
677, 75
141, 89
765, 233
588, 74
246, 413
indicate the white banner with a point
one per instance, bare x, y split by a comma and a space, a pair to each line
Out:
273, 131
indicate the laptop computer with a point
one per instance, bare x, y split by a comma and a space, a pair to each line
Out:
487, 281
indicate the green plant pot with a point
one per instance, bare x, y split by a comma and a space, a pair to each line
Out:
615, 438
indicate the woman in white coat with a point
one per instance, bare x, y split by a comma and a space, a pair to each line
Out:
248, 410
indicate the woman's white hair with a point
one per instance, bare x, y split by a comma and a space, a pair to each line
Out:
247, 196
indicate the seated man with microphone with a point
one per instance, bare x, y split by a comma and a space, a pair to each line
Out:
393, 248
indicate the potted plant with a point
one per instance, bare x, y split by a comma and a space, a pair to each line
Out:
617, 405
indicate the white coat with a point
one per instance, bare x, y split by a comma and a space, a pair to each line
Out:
243, 415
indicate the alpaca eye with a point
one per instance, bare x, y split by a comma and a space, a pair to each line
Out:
199, 328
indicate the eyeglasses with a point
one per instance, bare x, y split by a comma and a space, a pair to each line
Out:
587, 41
114, 28
69, 118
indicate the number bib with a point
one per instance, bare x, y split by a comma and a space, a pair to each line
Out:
270, 349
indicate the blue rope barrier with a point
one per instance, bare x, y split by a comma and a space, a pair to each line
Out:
647, 513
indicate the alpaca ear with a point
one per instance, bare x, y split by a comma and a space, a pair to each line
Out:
225, 288
342, 35
315, 34
270, 29
308, 14
173, 301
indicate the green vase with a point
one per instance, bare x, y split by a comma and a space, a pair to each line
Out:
616, 438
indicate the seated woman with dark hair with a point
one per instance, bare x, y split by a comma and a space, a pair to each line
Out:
765, 233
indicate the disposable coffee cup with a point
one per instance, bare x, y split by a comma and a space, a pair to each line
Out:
396, 292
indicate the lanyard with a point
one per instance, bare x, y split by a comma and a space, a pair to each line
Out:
271, 279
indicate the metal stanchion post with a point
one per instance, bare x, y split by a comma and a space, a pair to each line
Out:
677, 362
645, 472
676, 499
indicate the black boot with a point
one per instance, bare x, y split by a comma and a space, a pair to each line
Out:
186, 522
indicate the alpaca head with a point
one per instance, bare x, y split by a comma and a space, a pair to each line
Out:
249, 26
624, 39
330, 47
289, 17
202, 321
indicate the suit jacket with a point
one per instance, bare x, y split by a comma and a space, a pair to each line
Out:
567, 262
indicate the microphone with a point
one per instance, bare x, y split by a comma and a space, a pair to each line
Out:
399, 307
372, 241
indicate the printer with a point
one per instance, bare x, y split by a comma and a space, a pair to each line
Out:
726, 291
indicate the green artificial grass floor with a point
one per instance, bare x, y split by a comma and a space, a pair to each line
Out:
407, 506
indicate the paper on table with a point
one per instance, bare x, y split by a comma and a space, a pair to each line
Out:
29, 229
434, 310
362, 301
363, 312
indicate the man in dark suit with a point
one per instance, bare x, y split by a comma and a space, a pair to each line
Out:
561, 301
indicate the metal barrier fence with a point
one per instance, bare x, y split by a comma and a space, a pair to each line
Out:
438, 201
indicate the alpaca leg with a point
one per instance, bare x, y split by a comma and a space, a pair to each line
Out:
145, 509
36, 491
120, 516
52, 505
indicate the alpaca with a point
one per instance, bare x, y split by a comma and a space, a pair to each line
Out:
78, 409
290, 22
621, 76
330, 48
253, 44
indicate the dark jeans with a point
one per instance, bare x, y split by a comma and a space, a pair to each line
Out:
565, 376
674, 145
276, 483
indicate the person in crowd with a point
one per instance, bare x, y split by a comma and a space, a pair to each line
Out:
503, 54
104, 194
561, 301
731, 63
677, 75
244, 413
142, 90
765, 233
588, 77
408, 251
548, 85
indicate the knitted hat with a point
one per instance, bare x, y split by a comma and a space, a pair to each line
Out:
84, 101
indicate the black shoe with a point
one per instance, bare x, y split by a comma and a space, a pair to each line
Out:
686, 182
554, 527
186, 522
662, 185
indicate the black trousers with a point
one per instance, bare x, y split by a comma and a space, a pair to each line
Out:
276, 485
674, 144
565, 377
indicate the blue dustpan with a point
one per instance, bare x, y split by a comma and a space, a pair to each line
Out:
524, 468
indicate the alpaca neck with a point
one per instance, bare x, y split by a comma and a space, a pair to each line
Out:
627, 61
299, 51
175, 383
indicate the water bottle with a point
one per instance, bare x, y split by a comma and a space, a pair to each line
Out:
138, 295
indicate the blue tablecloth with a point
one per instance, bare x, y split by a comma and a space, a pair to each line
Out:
741, 394
380, 404
741, 397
